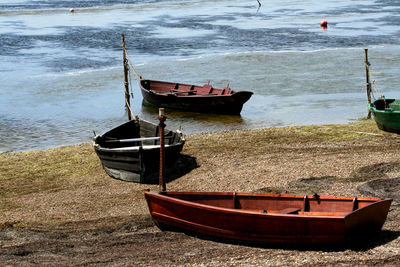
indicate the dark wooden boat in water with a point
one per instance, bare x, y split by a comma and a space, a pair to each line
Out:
386, 113
268, 217
131, 151
193, 97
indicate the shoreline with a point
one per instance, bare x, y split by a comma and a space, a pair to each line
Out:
58, 204
355, 121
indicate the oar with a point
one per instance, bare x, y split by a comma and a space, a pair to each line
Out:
136, 139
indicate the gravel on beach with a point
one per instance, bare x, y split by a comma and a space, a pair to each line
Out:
58, 207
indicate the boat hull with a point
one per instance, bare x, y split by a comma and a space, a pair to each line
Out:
231, 103
134, 162
386, 114
215, 214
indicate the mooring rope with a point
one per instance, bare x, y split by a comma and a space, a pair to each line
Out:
130, 81
129, 108
375, 86
131, 65
130, 69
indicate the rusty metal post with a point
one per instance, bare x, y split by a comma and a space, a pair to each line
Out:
161, 125
368, 81
126, 83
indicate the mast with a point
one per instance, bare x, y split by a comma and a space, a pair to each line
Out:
367, 64
126, 83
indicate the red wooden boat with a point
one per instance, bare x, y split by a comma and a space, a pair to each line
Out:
193, 97
265, 217
269, 217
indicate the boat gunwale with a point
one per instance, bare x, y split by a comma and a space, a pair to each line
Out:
133, 148
373, 108
197, 96
154, 92
192, 204
383, 111
180, 142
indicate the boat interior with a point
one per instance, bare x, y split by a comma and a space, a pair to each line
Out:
136, 133
278, 204
387, 104
180, 89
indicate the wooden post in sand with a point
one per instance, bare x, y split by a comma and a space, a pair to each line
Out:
161, 125
126, 83
368, 81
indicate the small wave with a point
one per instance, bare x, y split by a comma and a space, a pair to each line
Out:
267, 51
79, 7
191, 58
57, 10
299, 51
75, 73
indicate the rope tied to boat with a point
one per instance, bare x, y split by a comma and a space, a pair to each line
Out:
131, 64
375, 86
130, 84
129, 108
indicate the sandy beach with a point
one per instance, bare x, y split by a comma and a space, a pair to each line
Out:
59, 207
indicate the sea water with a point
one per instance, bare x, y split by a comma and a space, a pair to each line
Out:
61, 73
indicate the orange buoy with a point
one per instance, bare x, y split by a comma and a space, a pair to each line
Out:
324, 23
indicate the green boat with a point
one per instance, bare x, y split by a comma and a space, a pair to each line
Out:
386, 113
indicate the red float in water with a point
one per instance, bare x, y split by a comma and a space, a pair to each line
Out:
324, 23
